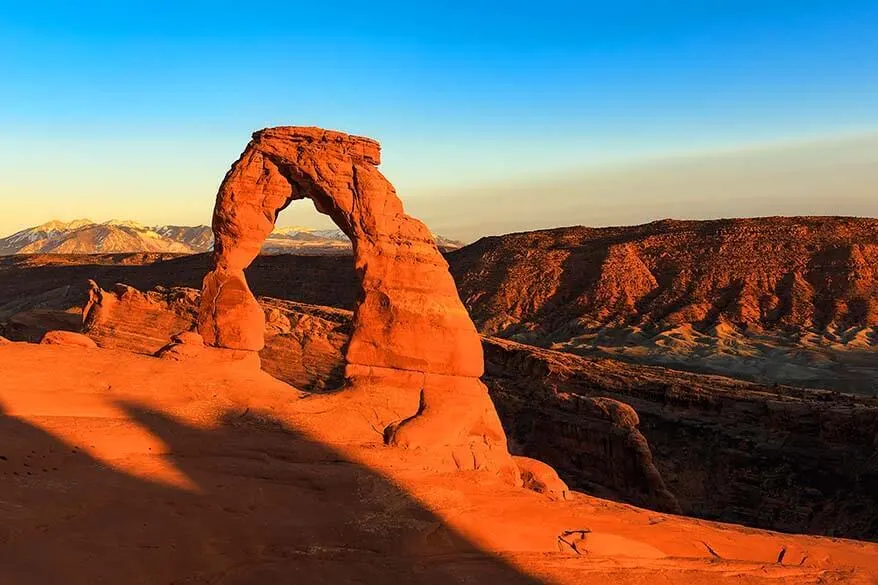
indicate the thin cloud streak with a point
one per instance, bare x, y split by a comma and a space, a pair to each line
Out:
827, 177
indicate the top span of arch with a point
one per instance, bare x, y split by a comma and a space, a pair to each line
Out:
345, 144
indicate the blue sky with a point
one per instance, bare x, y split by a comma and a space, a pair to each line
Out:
136, 109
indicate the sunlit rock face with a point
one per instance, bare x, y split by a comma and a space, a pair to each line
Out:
409, 322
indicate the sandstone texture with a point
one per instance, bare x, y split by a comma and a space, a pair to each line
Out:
183, 346
68, 338
156, 471
539, 477
408, 317
799, 272
126, 318
304, 344
774, 456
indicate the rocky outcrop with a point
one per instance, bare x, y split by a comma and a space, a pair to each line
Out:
786, 300
304, 347
303, 343
592, 440
183, 346
539, 477
68, 338
789, 300
408, 318
796, 272
126, 318
31, 325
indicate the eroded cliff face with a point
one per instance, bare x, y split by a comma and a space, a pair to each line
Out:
806, 273
789, 300
707, 446
594, 441
772, 457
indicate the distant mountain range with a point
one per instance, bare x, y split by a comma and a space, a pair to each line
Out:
83, 236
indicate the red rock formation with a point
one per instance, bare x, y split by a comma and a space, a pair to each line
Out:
126, 318
184, 345
408, 318
798, 273
539, 477
118, 468
303, 343
68, 338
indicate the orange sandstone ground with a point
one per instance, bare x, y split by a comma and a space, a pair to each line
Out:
120, 468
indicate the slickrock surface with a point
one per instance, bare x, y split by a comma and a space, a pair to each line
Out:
713, 447
539, 477
119, 468
409, 326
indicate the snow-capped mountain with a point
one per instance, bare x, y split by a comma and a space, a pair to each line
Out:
302, 239
46, 231
83, 236
199, 237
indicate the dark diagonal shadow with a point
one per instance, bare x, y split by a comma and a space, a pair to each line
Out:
271, 507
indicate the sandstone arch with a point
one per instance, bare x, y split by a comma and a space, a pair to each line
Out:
409, 322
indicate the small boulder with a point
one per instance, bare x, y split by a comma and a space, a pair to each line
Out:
188, 338
68, 338
183, 345
541, 478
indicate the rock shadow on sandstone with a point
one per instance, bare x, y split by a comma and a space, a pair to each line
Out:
268, 505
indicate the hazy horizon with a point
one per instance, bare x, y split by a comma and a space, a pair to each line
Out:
822, 177
490, 120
